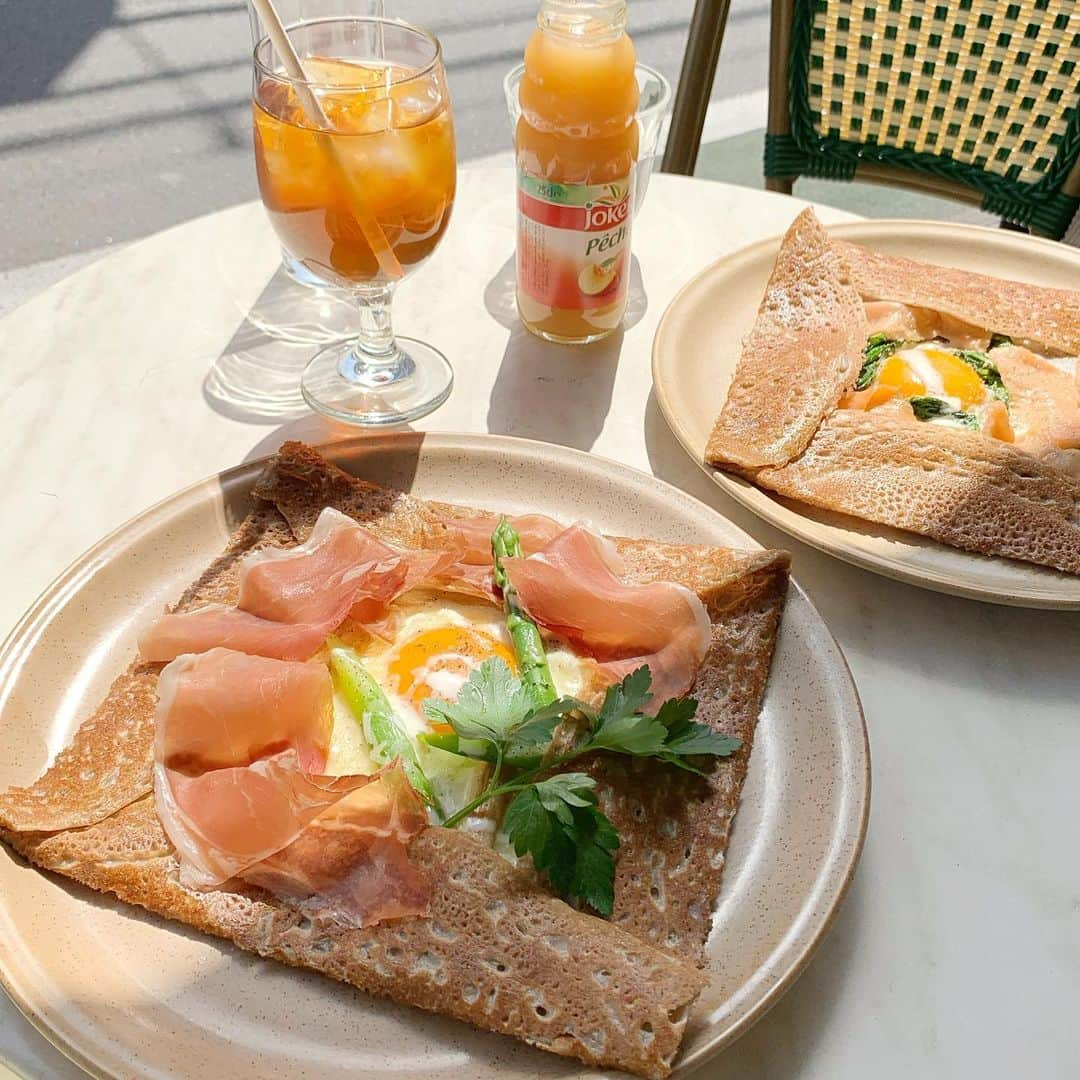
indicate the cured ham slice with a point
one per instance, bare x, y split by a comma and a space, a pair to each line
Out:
350, 866
224, 822
223, 708
292, 599
240, 744
323, 577
472, 535
217, 626
573, 588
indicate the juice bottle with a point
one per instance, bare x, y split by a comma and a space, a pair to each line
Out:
577, 143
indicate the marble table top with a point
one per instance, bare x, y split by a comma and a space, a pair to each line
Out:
957, 951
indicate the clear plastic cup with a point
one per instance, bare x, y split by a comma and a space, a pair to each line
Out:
655, 95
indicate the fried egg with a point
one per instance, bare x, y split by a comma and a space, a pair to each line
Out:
932, 371
433, 651
436, 641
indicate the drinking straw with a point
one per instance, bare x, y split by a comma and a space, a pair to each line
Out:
309, 102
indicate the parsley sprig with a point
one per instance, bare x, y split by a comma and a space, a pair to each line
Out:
553, 815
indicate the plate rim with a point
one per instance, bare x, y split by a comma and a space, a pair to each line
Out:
788, 518
841, 864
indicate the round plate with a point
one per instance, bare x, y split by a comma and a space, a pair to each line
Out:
696, 348
124, 993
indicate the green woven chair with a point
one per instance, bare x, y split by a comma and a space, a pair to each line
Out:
974, 99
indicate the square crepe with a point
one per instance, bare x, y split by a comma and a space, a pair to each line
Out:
494, 947
927, 398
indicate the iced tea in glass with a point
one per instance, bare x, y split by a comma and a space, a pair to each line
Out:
357, 170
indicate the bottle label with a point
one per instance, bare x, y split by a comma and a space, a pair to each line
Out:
573, 244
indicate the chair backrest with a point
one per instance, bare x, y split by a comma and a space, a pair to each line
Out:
975, 99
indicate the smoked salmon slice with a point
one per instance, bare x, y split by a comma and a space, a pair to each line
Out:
904, 322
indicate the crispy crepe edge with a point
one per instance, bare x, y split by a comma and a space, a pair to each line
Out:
960, 488
1034, 313
802, 352
496, 950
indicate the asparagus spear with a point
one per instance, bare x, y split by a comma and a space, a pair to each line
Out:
524, 633
374, 713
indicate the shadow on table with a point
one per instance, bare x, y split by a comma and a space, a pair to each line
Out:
556, 393
256, 379
315, 430
40, 41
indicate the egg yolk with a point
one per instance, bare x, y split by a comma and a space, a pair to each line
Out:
898, 379
958, 379
895, 379
437, 662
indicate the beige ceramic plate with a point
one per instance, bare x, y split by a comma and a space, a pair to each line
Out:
697, 345
126, 994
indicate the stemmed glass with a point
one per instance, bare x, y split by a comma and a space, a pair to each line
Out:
357, 171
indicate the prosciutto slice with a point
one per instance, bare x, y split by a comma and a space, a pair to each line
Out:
472, 535
240, 745
217, 626
573, 587
292, 599
226, 821
350, 866
222, 708
322, 578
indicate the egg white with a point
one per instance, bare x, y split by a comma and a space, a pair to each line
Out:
456, 780
349, 754
441, 610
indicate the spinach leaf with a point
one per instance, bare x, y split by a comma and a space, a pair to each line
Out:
878, 348
987, 370
932, 408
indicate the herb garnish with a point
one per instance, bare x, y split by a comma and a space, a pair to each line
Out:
555, 818
987, 370
557, 822
511, 721
932, 408
999, 339
878, 348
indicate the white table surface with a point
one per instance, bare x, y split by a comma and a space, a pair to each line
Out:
957, 952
